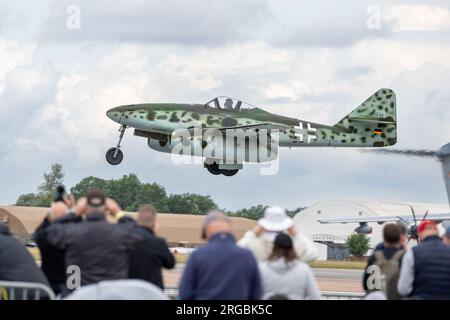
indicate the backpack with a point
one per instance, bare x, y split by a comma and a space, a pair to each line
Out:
390, 272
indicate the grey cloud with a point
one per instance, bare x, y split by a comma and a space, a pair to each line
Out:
280, 23
355, 71
423, 106
19, 105
305, 175
174, 21
342, 98
324, 23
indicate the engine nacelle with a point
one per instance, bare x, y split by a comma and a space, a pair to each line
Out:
234, 152
363, 228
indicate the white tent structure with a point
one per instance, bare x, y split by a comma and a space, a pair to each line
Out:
326, 234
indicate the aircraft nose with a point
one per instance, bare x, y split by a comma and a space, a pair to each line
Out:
114, 114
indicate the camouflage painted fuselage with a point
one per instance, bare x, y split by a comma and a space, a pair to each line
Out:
372, 124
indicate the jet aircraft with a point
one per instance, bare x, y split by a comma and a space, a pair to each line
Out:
371, 124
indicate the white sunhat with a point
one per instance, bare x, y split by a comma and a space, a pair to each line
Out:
275, 219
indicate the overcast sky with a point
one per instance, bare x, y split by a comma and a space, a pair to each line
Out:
315, 60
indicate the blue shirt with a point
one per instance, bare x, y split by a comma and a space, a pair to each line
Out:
220, 270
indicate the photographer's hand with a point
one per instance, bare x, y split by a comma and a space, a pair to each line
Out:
292, 231
113, 209
69, 200
258, 230
81, 207
57, 210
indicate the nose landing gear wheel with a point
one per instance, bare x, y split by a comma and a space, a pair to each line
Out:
114, 156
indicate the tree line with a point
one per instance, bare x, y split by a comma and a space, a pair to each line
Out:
131, 193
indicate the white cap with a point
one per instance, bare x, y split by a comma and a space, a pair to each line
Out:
275, 219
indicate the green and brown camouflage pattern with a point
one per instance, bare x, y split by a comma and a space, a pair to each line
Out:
371, 124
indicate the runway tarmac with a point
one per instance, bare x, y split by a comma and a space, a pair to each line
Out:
347, 280
344, 274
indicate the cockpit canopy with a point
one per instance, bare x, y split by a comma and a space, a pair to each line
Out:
229, 104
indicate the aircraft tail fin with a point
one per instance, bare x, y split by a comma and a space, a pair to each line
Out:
374, 121
445, 163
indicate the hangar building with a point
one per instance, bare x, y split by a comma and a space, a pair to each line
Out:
330, 238
175, 228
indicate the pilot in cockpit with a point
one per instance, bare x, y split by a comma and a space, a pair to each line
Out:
228, 104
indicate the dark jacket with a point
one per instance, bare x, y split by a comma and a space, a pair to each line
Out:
16, 263
431, 269
388, 253
99, 248
52, 259
149, 257
220, 270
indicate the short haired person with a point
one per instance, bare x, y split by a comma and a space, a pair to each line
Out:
425, 268
283, 275
388, 261
17, 264
446, 237
403, 237
152, 254
52, 259
275, 220
220, 270
97, 248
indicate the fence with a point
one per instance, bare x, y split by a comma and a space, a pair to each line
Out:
342, 295
172, 293
34, 291
13, 290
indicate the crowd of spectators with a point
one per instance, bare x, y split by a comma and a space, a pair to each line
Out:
91, 249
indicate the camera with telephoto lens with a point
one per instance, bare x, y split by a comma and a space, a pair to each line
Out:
60, 192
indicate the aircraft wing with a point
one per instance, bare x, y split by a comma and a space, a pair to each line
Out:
438, 217
379, 220
266, 126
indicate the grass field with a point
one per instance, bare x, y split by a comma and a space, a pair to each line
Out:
35, 253
182, 258
338, 264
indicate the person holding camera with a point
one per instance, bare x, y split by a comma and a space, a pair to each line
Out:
152, 254
52, 259
260, 240
94, 246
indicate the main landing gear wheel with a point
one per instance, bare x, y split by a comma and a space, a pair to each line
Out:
213, 168
114, 156
229, 173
